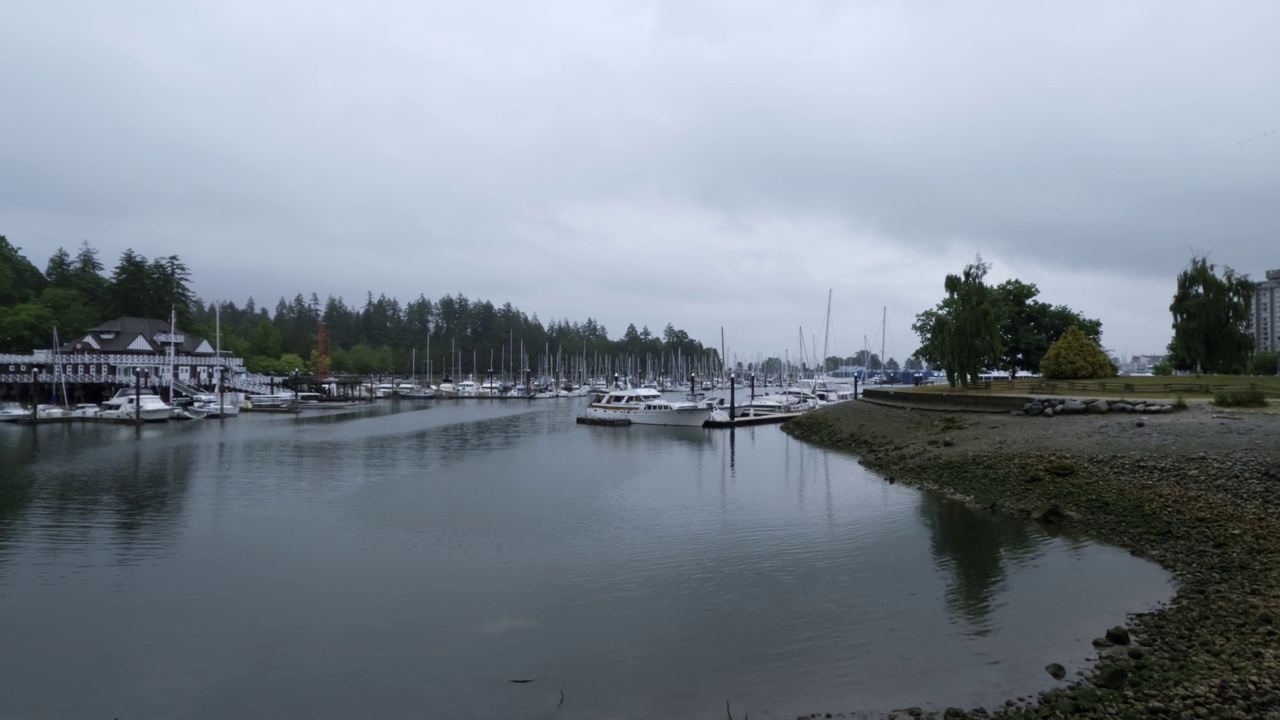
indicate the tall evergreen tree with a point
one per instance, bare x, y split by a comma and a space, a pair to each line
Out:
59, 270
129, 292
19, 279
86, 274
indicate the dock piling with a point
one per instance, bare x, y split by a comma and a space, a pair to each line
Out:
733, 386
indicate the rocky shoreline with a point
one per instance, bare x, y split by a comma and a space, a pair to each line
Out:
1197, 491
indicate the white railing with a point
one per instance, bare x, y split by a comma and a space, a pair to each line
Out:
233, 363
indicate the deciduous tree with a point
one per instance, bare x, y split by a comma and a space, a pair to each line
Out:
963, 333
1076, 357
1210, 314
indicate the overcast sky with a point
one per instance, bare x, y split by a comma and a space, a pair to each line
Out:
706, 164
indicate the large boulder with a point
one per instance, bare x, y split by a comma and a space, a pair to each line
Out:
1072, 407
1118, 635
1098, 406
1121, 407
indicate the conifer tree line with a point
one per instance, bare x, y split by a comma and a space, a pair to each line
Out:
382, 336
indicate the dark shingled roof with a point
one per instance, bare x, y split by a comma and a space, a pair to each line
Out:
124, 330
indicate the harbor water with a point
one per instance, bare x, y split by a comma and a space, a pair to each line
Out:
482, 559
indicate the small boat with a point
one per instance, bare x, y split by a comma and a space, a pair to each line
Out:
411, 391
186, 409
10, 411
85, 410
645, 406
790, 401
261, 402
228, 406
51, 412
468, 389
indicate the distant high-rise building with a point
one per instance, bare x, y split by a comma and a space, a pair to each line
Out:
1264, 313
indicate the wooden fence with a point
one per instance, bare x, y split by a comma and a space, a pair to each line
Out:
1070, 387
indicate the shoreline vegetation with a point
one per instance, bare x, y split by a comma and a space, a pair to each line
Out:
1196, 491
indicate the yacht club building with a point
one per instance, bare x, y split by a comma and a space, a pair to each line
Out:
120, 352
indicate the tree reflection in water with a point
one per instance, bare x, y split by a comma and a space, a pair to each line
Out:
75, 482
973, 547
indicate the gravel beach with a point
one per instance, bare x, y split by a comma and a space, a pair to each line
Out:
1197, 491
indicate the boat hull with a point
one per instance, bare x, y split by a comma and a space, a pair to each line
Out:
681, 417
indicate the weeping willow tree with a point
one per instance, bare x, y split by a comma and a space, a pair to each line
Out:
1210, 317
963, 333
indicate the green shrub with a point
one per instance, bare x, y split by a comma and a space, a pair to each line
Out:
1240, 398
1180, 402
1164, 367
1075, 357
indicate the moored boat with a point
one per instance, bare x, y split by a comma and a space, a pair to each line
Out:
10, 411
646, 406
85, 410
128, 404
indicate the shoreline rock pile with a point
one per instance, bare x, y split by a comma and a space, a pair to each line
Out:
1049, 407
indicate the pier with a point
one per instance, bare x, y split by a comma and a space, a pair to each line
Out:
751, 420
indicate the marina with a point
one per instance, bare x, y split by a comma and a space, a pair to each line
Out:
361, 561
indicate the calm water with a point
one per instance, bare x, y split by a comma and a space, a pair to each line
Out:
412, 560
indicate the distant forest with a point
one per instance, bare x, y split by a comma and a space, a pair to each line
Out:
381, 337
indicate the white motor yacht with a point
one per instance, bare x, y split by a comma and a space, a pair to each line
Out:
85, 410
645, 406
51, 412
410, 391
129, 405
468, 389
10, 411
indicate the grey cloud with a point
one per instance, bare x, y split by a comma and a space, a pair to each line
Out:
445, 147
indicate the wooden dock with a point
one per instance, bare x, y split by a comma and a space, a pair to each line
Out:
44, 420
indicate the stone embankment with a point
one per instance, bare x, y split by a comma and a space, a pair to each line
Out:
1048, 407
1197, 491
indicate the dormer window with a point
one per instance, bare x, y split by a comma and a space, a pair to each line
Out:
108, 335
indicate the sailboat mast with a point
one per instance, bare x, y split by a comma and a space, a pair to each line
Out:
217, 351
884, 316
173, 331
826, 333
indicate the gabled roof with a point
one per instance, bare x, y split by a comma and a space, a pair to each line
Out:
131, 334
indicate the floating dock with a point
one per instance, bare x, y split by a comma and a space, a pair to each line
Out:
751, 420
736, 422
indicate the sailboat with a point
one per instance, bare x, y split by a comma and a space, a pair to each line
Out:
412, 390
218, 404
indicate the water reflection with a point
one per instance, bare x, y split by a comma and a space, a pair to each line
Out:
974, 549
127, 495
